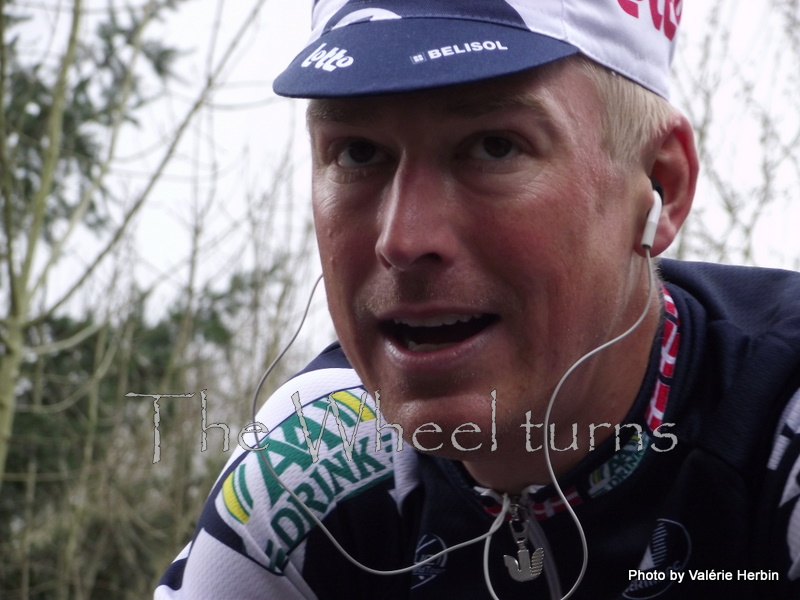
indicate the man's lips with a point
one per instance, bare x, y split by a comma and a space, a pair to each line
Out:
428, 334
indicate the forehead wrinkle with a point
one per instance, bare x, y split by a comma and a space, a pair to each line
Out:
440, 104
336, 110
486, 106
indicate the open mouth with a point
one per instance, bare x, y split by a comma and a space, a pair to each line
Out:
436, 333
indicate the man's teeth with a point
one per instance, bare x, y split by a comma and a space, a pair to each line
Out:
436, 333
437, 321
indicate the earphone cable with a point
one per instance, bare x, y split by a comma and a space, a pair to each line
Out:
280, 356
564, 377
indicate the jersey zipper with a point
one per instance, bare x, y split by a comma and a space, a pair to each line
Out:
527, 566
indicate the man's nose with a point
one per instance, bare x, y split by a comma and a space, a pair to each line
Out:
417, 223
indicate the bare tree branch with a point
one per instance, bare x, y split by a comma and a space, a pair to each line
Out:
55, 124
210, 85
103, 167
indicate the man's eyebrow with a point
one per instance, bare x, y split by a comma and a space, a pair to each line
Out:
330, 111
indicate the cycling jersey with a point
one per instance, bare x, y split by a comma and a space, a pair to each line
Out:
694, 495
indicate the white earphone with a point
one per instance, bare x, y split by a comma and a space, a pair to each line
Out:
651, 225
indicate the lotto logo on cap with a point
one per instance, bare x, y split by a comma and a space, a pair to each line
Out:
367, 47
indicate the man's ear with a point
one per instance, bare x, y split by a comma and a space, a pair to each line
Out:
675, 167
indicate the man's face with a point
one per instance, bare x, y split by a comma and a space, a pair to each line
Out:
476, 238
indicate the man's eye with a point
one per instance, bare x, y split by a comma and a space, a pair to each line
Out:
359, 154
493, 147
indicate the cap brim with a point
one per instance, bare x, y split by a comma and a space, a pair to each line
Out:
403, 55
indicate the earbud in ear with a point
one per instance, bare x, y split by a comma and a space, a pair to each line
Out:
651, 225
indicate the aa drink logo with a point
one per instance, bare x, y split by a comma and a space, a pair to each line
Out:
667, 552
255, 505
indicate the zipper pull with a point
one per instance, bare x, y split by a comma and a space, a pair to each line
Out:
524, 567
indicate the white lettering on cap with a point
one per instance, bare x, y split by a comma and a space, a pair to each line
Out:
328, 60
461, 49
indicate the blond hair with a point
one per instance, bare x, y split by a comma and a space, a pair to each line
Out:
634, 117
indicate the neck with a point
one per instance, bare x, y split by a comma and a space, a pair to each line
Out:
595, 398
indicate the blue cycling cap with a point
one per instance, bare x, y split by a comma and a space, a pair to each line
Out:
367, 47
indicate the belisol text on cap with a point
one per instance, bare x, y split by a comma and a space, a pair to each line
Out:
457, 49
